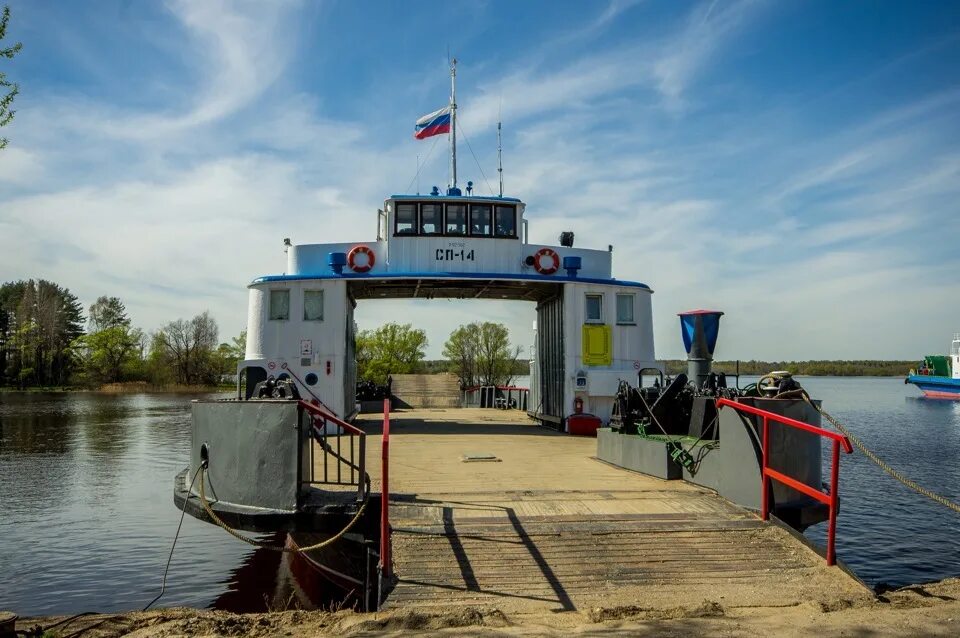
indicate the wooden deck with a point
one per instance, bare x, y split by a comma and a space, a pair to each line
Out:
544, 526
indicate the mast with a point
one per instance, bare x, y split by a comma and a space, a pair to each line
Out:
500, 157
453, 122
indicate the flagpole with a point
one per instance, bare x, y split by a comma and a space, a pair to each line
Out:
453, 124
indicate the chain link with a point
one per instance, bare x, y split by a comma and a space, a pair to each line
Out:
919, 489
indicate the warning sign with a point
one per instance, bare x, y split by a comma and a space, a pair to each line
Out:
306, 347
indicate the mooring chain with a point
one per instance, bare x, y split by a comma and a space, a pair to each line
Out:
266, 545
919, 489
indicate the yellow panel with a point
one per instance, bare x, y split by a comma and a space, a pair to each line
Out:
597, 340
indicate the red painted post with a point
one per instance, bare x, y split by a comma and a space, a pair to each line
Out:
386, 560
764, 513
834, 503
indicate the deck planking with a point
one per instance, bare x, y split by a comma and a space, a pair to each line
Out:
547, 527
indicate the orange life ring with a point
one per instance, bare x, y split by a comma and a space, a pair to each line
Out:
538, 264
352, 256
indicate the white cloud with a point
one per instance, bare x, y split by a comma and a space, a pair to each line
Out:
708, 27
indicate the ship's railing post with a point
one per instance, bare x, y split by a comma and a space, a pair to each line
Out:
834, 503
386, 560
764, 483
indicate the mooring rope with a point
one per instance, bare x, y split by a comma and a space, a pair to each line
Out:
266, 545
919, 489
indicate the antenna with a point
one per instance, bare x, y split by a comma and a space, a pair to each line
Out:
453, 125
418, 173
500, 146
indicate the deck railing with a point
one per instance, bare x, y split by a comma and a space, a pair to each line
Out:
344, 463
495, 396
830, 498
386, 541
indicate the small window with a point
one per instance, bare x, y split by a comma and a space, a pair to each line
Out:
480, 219
431, 219
406, 219
456, 219
594, 308
280, 305
313, 305
506, 222
625, 309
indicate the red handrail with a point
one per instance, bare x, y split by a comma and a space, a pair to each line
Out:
386, 545
317, 411
830, 499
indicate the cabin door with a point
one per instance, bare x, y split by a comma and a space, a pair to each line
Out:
550, 361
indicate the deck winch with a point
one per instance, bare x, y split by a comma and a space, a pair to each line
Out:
673, 429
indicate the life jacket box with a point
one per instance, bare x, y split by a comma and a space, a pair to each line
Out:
583, 424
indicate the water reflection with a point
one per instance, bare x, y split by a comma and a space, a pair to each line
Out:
87, 514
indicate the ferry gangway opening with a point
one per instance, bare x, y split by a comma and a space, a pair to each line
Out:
342, 457
830, 499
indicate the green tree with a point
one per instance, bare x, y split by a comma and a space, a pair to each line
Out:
39, 322
230, 354
8, 90
390, 349
480, 354
108, 312
110, 353
188, 347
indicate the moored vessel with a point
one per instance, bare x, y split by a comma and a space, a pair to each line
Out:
286, 455
938, 376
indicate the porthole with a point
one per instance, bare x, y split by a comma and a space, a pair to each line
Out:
311, 378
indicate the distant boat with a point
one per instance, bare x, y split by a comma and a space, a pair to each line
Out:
938, 376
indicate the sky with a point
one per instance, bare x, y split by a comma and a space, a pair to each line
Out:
794, 164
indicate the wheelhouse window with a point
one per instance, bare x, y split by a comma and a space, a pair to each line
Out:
625, 309
594, 313
480, 220
431, 219
406, 221
313, 305
456, 219
505, 224
279, 305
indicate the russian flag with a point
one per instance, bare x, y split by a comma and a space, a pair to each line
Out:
436, 123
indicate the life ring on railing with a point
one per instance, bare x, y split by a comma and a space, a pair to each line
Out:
361, 250
538, 261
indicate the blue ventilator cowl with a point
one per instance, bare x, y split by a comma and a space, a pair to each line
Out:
572, 265
700, 329
337, 261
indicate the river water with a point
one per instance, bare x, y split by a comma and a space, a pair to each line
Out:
87, 515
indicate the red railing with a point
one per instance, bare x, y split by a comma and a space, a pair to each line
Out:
386, 547
319, 412
830, 499
353, 458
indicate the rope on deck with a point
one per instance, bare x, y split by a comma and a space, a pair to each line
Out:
916, 487
265, 545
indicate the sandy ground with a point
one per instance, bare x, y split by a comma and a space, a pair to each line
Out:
922, 610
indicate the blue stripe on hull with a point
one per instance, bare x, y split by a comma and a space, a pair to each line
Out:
941, 387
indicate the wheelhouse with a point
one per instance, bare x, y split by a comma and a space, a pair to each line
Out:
451, 216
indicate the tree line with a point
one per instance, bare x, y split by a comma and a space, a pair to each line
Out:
47, 340
478, 353
816, 368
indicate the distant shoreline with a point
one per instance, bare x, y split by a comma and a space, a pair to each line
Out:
122, 388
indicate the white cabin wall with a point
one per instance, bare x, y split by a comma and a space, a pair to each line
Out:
280, 342
632, 345
256, 316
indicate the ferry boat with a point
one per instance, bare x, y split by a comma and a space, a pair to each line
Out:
938, 376
284, 455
